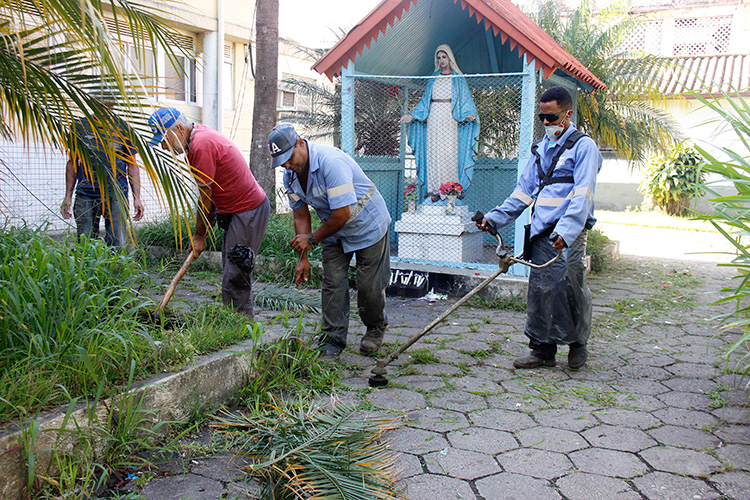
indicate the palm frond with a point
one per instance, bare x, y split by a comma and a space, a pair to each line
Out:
307, 451
625, 116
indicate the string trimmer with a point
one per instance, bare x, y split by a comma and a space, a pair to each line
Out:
505, 260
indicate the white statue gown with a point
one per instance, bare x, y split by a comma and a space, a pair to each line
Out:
442, 137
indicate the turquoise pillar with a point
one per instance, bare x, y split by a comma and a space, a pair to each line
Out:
347, 109
528, 114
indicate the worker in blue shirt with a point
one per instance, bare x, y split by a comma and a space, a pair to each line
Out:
558, 181
355, 222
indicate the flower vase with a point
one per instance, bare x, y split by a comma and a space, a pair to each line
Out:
411, 206
450, 206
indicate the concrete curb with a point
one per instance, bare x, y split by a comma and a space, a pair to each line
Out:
212, 379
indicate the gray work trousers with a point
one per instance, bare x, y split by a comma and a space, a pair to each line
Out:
245, 228
373, 273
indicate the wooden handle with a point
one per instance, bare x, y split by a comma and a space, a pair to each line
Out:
175, 280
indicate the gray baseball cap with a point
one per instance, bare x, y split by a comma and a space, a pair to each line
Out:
281, 141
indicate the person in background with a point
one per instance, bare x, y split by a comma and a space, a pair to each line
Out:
115, 158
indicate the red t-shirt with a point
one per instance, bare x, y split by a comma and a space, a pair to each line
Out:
217, 162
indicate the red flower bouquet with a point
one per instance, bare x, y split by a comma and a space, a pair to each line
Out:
452, 187
410, 193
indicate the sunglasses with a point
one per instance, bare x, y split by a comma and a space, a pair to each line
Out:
550, 117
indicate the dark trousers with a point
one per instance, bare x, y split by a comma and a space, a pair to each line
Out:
245, 228
373, 272
88, 211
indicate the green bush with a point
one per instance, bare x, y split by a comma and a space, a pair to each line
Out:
595, 245
672, 180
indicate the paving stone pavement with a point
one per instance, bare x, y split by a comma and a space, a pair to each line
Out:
652, 415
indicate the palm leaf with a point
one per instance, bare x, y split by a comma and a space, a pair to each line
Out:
306, 451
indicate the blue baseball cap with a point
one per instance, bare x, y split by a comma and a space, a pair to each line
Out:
162, 120
281, 141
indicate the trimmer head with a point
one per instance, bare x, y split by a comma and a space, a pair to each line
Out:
378, 379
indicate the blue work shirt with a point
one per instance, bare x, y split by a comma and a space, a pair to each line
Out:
567, 208
87, 183
334, 180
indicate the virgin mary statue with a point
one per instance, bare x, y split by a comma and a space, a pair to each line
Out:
442, 129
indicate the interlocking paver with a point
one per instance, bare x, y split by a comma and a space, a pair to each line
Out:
504, 420
476, 385
618, 438
549, 438
434, 486
420, 382
638, 422
736, 455
183, 486
397, 399
436, 369
690, 385
609, 463
733, 415
687, 418
541, 464
680, 461
627, 418
457, 400
735, 484
572, 420
461, 464
739, 434
416, 441
641, 386
436, 419
480, 439
686, 400
585, 486
695, 370
509, 485
408, 465
663, 486
684, 437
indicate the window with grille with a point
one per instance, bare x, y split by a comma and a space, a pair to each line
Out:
646, 37
292, 96
702, 36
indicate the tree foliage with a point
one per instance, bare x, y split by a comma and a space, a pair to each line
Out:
625, 116
62, 64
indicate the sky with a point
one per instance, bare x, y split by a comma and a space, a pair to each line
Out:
310, 22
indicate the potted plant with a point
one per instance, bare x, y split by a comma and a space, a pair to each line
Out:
452, 191
410, 197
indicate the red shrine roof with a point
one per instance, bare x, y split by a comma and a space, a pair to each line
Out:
501, 16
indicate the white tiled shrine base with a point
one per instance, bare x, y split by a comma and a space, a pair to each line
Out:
431, 234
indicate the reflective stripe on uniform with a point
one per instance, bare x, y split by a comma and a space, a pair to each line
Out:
362, 202
522, 196
339, 190
556, 202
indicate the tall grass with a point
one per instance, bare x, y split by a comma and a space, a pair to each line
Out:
72, 321
275, 246
69, 318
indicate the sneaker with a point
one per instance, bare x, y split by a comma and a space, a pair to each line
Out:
577, 357
532, 362
371, 342
329, 353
